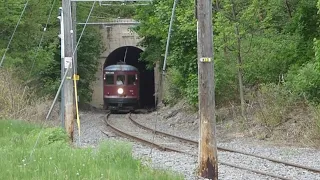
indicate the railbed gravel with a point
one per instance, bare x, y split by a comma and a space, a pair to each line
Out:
92, 123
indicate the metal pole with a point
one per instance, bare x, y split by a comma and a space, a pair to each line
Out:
169, 34
208, 162
62, 67
166, 53
74, 27
68, 85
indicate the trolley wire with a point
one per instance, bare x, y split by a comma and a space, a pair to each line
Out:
85, 25
42, 36
14, 31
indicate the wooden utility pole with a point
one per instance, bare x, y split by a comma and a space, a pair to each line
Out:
68, 84
208, 162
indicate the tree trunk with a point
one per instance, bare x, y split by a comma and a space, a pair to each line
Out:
288, 8
239, 59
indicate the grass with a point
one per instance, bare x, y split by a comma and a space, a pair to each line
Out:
55, 159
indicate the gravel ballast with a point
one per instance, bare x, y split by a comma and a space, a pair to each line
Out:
92, 123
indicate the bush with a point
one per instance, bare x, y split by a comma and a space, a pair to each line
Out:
274, 104
173, 86
282, 116
305, 82
18, 101
14, 97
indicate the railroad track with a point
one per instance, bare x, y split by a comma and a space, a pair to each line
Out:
195, 145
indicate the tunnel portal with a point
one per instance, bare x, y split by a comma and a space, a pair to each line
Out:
131, 55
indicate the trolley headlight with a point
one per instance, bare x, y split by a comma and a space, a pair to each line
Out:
120, 91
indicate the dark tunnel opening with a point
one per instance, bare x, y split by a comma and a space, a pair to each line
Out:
147, 87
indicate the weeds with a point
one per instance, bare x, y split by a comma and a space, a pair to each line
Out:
18, 101
280, 115
53, 158
274, 103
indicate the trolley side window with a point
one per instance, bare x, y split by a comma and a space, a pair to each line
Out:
109, 79
131, 79
120, 79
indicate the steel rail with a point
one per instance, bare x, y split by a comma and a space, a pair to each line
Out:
174, 150
255, 171
163, 148
227, 149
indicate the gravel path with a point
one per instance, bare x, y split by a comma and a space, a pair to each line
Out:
91, 123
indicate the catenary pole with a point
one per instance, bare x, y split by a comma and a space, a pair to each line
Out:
208, 162
62, 107
68, 85
162, 78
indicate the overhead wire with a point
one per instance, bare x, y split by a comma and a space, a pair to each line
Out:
42, 36
14, 31
75, 49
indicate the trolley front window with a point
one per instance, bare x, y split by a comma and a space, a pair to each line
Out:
131, 80
109, 79
120, 79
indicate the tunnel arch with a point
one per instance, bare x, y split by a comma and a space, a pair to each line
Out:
131, 54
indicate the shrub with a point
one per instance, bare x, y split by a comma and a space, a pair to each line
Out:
305, 82
14, 97
274, 104
173, 86
18, 101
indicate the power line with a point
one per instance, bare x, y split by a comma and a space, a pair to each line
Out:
41, 39
4, 55
83, 29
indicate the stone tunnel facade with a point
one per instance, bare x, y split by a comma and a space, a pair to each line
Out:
114, 37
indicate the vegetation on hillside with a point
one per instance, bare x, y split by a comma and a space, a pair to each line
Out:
271, 46
38, 67
275, 44
53, 158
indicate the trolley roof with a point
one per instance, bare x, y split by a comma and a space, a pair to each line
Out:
120, 67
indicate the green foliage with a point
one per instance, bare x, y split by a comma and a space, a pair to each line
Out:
173, 86
41, 68
275, 39
305, 81
270, 57
88, 53
53, 158
192, 90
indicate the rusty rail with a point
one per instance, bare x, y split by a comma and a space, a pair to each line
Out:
120, 132
226, 149
175, 150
